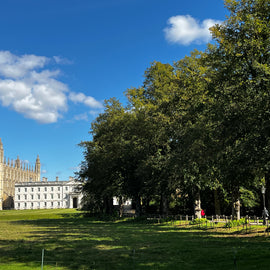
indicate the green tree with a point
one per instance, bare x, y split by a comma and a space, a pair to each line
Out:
240, 88
149, 104
174, 101
199, 124
101, 168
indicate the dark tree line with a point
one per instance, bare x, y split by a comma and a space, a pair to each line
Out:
196, 130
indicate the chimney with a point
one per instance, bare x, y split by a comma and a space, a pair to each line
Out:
57, 178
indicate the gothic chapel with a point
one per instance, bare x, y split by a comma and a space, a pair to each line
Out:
12, 172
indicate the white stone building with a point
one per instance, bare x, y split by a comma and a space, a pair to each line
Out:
47, 194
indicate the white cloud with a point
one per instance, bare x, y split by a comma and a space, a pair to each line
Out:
184, 30
81, 117
12, 66
41, 99
34, 91
62, 60
86, 100
95, 112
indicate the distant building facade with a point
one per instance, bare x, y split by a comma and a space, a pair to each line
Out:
12, 172
47, 194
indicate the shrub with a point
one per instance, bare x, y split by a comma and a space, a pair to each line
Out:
198, 221
235, 223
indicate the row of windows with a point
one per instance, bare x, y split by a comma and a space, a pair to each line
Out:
40, 204
45, 189
25, 197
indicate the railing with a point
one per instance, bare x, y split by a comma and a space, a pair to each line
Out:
184, 219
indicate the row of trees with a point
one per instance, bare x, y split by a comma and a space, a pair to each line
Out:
197, 129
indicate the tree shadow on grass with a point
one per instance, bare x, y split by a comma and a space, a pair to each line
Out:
84, 243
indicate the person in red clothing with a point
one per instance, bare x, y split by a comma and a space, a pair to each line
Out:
202, 213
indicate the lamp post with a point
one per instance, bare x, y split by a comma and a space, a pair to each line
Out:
263, 193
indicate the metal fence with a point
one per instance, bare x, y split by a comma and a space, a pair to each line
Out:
186, 219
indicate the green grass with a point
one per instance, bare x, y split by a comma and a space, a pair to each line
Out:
73, 242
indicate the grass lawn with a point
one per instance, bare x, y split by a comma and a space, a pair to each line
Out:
71, 242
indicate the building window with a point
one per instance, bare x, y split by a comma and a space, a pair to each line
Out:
32, 197
66, 188
19, 190
45, 204
32, 205
25, 189
25, 205
32, 189
51, 203
58, 203
19, 197
58, 196
38, 196
39, 189
51, 196
25, 197
51, 188
45, 196
45, 188
58, 188
19, 205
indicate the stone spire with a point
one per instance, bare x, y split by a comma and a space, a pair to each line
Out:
17, 162
1, 152
37, 166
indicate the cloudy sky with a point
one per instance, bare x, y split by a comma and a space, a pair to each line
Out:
60, 59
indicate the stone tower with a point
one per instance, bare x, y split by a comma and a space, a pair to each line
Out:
1, 172
12, 172
1, 152
37, 168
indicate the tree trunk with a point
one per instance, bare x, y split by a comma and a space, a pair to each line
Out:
164, 205
145, 206
108, 205
197, 204
217, 203
267, 190
138, 206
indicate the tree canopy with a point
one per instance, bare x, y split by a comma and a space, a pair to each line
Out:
199, 124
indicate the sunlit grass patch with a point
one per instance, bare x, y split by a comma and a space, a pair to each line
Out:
72, 241
108, 247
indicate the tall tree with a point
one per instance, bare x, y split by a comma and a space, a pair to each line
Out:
101, 169
240, 88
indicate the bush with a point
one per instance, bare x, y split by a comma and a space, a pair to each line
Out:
235, 223
198, 221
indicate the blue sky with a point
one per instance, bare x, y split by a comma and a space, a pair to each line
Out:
60, 59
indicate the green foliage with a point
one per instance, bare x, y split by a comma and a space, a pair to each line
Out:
199, 124
198, 221
235, 223
248, 197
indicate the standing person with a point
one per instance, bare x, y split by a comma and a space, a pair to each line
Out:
202, 213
